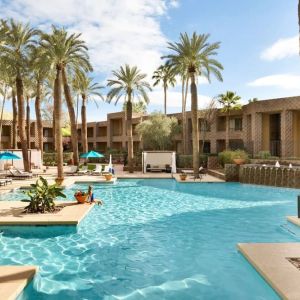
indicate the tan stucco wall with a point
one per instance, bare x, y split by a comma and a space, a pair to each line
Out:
296, 133
265, 132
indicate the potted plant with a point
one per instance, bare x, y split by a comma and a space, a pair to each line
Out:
42, 196
108, 177
81, 197
239, 157
59, 180
183, 176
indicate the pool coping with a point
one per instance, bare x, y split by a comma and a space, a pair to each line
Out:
72, 214
13, 280
269, 260
294, 219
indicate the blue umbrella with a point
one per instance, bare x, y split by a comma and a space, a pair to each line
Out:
91, 154
8, 155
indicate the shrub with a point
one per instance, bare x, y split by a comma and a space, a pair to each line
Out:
42, 196
49, 158
264, 154
227, 157
186, 161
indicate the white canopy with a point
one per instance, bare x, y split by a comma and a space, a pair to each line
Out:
159, 159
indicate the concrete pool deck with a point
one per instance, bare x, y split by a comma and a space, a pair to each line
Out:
72, 214
13, 279
293, 219
270, 260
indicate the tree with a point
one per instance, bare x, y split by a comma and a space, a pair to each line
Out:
70, 53
51, 43
128, 82
84, 86
18, 42
164, 74
40, 66
157, 131
139, 107
196, 54
229, 102
208, 118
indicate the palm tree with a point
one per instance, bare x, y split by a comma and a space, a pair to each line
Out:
229, 101
51, 43
196, 54
84, 86
164, 74
128, 82
70, 54
40, 66
18, 41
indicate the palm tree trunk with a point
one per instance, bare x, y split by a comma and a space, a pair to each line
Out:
1, 118
70, 105
28, 122
14, 124
185, 86
182, 116
53, 125
58, 121
84, 125
21, 121
165, 98
39, 118
129, 134
194, 109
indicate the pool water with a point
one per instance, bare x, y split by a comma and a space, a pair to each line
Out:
155, 239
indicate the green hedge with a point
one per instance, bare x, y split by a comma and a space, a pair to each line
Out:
186, 161
49, 158
227, 157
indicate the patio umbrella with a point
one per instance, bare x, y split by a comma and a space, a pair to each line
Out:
8, 156
91, 154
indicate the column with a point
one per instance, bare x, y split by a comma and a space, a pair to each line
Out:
286, 132
256, 132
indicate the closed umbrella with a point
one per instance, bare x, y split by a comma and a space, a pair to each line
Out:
110, 167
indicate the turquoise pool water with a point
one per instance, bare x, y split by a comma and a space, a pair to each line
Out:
156, 239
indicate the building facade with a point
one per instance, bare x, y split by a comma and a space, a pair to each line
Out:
266, 125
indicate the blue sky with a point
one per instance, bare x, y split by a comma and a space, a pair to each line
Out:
259, 47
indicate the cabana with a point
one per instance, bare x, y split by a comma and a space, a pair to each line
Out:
159, 161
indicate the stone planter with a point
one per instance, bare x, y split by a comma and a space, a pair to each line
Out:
108, 177
59, 181
239, 161
182, 177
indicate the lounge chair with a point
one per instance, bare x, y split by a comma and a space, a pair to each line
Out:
2, 182
83, 170
106, 170
98, 170
72, 170
19, 174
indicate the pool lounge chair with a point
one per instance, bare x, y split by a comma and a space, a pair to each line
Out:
72, 170
83, 170
106, 170
17, 174
98, 170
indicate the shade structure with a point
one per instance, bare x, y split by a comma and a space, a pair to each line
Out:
8, 155
91, 154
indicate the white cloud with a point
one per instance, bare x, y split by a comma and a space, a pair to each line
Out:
116, 31
281, 49
283, 81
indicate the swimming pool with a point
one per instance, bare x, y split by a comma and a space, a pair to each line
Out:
156, 239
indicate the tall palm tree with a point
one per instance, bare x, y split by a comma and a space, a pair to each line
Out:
128, 82
229, 101
164, 74
70, 54
196, 53
51, 43
84, 86
40, 67
17, 44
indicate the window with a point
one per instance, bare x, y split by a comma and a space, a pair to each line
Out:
204, 126
236, 124
221, 123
